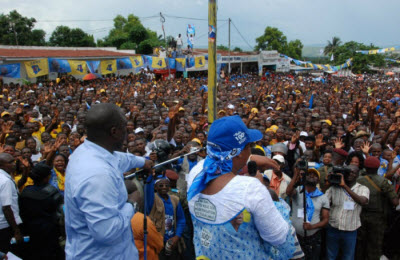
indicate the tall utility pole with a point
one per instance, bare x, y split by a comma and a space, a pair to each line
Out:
212, 60
162, 19
12, 25
229, 46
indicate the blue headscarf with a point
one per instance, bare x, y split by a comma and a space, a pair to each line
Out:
216, 164
309, 203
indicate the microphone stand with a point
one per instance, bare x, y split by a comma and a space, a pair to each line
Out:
305, 208
132, 175
145, 174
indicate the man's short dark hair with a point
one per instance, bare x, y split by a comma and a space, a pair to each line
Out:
101, 118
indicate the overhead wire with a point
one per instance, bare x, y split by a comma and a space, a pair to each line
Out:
244, 39
191, 18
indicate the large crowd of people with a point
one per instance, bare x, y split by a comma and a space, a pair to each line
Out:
325, 184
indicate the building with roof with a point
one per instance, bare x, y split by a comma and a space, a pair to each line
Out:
20, 54
238, 62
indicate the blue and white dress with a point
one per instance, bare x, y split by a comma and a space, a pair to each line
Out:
239, 222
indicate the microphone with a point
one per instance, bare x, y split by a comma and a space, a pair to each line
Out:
252, 167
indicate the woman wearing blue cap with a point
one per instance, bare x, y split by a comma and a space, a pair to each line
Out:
234, 216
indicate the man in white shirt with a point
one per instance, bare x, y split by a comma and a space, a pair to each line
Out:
9, 210
179, 43
344, 220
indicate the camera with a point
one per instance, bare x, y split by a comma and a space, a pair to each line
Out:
335, 177
302, 165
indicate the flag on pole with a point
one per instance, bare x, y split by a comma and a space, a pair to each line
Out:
332, 58
321, 51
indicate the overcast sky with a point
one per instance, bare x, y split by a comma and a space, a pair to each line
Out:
311, 21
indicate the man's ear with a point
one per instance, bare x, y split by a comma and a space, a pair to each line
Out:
113, 131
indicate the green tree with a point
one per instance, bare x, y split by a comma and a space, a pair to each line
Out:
81, 39
146, 46
67, 37
360, 61
16, 28
332, 46
60, 36
294, 49
128, 46
130, 33
272, 39
38, 38
237, 49
222, 48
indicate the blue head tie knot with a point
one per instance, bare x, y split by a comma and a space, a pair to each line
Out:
216, 164
227, 138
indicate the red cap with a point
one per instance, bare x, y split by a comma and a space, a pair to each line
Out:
372, 162
341, 152
170, 174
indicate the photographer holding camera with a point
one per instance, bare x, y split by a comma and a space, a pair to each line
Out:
316, 208
347, 198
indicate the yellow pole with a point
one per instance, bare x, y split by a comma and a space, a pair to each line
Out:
212, 60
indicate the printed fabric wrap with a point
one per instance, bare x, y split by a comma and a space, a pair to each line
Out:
216, 164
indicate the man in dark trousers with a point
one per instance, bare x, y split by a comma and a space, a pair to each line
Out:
373, 217
9, 211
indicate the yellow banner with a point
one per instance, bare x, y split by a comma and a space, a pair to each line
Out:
199, 61
108, 66
78, 67
37, 68
158, 63
181, 61
137, 61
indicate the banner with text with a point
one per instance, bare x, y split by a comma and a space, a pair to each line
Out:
37, 68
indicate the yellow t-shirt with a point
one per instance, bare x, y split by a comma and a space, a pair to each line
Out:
57, 130
38, 135
20, 145
28, 182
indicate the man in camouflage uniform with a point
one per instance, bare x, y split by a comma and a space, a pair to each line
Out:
373, 218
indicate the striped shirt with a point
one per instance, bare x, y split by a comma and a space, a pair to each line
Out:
345, 219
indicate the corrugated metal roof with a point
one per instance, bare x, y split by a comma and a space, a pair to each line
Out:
40, 53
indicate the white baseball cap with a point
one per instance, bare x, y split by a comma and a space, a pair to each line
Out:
303, 133
279, 158
139, 130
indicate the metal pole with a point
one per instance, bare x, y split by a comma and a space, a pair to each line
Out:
132, 175
145, 232
12, 25
162, 19
212, 62
229, 37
